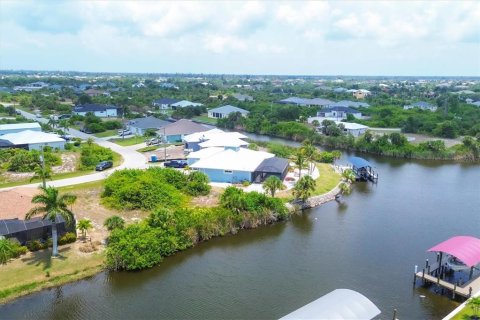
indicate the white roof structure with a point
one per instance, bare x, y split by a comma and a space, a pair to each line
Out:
16, 126
31, 137
204, 153
223, 141
239, 160
186, 103
352, 126
212, 134
338, 304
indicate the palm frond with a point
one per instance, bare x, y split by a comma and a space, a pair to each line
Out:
35, 212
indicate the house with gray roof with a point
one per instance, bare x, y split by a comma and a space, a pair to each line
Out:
164, 103
338, 113
224, 111
305, 102
140, 125
421, 105
351, 104
243, 97
175, 132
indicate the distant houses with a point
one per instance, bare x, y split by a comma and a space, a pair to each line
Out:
421, 105
360, 93
224, 111
102, 111
305, 102
243, 97
164, 103
140, 126
184, 104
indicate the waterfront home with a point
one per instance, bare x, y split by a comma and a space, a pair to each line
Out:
32, 140
355, 129
19, 127
225, 111
335, 112
421, 105
235, 165
185, 103
243, 97
140, 125
164, 103
193, 141
102, 111
176, 131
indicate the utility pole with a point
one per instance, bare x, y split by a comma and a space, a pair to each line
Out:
164, 145
42, 160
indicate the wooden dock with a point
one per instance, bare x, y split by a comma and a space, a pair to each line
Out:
434, 275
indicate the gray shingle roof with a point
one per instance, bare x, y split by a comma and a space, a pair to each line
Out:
165, 101
93, 107
182, 127
273, 165
228, 109
148, 123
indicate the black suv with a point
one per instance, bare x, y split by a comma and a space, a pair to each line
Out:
104, 165
175, 164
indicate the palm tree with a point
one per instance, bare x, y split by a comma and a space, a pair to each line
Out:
304, 188
83, 225
51, 205
310, 153
345, 188
114, 222
65, 125
52, 122
299, 159
272, 184
349, 175
42, 173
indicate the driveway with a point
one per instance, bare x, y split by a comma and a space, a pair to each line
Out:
131, 159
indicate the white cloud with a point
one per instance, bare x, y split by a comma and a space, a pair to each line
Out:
223, 43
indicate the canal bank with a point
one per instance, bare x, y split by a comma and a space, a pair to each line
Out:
367, 243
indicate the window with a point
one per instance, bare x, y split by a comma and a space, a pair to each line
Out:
227, 171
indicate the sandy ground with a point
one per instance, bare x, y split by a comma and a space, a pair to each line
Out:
418, 138
173, 152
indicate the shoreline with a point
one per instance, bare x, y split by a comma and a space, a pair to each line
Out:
10, 294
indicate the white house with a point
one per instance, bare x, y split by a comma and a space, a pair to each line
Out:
140, 125
224, 111
355, 129
214, 137
34, 140
102, 111
19, 127
335, 112
185, 103
421, 105
164, 103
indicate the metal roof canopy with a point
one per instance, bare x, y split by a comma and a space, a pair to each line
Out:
338, 304
359, 162
464, 248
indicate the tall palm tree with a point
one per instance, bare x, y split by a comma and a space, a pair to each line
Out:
51, 205
272, 184
52, 122
310, 153
299, 159
42, 173
65, 125
83, 225
304, 188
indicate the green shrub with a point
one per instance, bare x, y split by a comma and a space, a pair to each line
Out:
245, 183
7, 250
92, 154
197, 184
68, 237
25, 161
34, 245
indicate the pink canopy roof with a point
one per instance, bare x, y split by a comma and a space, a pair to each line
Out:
464, 248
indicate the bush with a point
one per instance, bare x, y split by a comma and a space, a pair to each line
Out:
197, 184
68, 237
34, 245
92, 154
25, 161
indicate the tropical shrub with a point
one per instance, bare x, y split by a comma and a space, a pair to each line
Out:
197, 184
92, 154
114, 222
68, 237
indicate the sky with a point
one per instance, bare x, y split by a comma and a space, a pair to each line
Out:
430, 38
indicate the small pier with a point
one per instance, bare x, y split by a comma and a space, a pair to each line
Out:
442, 274
363, 170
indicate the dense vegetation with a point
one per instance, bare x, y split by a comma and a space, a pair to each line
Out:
167, 230
91, 154
21, 160
152, 188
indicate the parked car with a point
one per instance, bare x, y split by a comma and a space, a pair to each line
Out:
18, 112
104, 165
175, 164
153, 141
64, 116
38, 115
66, 137
85, 130
125, 133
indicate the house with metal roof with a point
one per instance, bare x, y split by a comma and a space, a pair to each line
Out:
140, 125
225, 111
176, 131
34, 140
338, 112
243, 97
351, 104
164, 103
221, 138
184, 104
102, 111
421, 105
317, 102
19, 127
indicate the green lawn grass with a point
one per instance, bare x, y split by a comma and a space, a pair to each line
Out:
149, 148
107, 133
465, 314
328, 179
128, 141
205, 119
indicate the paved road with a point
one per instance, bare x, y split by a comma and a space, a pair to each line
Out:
131, 158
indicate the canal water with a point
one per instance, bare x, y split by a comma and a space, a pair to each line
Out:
370, 243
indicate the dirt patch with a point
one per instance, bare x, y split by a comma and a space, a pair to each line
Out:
173, 152
419, 138
88, 205
69, 163
210, 200
8, 176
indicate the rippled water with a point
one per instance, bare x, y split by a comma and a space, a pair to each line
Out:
369, 243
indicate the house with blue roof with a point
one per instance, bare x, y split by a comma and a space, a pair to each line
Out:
421, 105
225, 111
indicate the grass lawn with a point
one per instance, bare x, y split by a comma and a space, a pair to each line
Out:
328, 179
29, 273
466, 313
205, 119
128, 141
107, 133
149, 148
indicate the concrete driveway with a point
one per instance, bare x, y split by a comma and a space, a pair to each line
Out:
131, 159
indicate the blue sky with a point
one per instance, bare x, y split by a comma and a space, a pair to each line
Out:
432, 38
